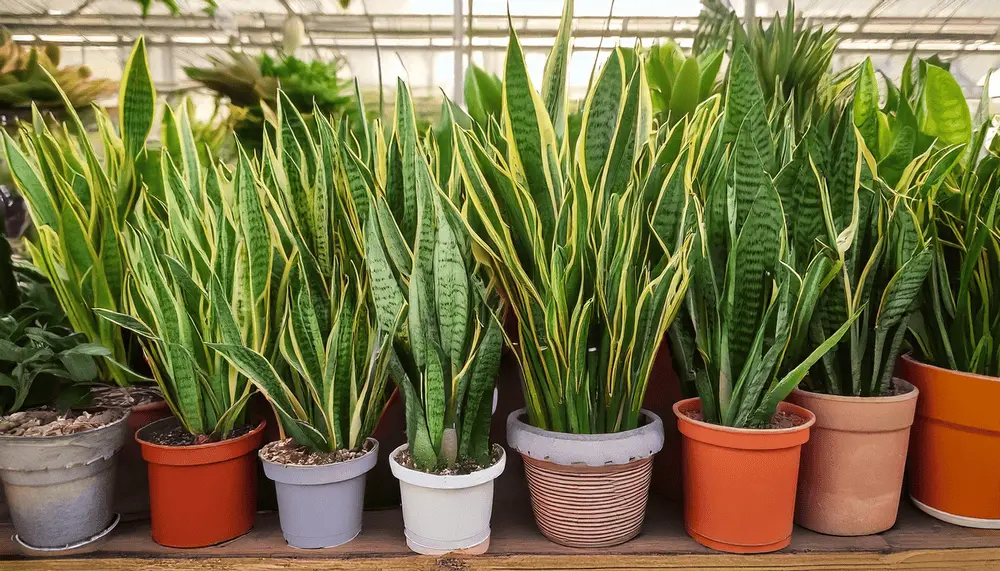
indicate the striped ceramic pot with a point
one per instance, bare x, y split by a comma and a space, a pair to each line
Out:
587, 490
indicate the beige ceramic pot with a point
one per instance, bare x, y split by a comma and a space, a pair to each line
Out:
852, 467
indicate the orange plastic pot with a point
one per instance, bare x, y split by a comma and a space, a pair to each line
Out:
204, 494
954, 461
131, 481
739, 484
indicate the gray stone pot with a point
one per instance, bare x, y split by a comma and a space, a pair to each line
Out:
320, 506
60, 488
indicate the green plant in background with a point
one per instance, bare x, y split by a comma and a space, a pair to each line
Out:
202, 267
566, 233
834, 203
958, 325
739, 340
210, 6
483, 95
32, 76
80, 204
42, 362
333, 392
678, 83
428, 288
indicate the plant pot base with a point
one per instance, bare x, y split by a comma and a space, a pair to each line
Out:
478, 549
964, 521
65, 550
311, 543
734, 548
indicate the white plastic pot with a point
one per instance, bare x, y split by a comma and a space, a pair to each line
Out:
442, 514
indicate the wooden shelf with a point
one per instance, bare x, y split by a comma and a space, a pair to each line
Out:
916, 542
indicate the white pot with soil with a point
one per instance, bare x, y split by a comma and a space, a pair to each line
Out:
320, 495
58, 474
447, 512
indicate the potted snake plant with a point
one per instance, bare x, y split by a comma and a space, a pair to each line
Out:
740, 338
566, 234
951, 469
334, 360
80, 196
852, 467
201, 266
445, 354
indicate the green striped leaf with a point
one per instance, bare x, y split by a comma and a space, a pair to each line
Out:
137, 98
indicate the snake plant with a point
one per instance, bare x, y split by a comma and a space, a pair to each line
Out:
80, 204
837, 201
678, 83
202, 269
566, 234
739, 340
958, 326
446, 355
333, 392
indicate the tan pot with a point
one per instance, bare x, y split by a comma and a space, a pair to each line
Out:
587, 490
852, 467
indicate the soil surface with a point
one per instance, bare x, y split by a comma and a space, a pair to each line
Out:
51, 423
779, 420
287, 451
105, 396
177, 436
463, 467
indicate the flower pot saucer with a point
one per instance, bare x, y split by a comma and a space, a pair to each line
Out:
77, 547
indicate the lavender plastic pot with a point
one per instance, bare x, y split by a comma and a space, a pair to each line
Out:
321, 506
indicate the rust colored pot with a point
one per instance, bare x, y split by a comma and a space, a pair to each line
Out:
852, 466
587, 490
132, 481
954, 462
204, 494
739, 483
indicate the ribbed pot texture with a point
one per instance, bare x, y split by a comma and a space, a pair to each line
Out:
587, 490
585, 506
954, 461
852, 467
739, 483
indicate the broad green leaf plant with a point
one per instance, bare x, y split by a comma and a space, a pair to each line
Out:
81, 198
328, 389
739, 340
958, 326
678, 83
566, 232
427, 288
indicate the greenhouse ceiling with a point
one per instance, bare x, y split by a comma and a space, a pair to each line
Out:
420, 37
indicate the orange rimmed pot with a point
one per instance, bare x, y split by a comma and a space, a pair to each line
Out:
852, 467
204, 494
739, 483
954, 461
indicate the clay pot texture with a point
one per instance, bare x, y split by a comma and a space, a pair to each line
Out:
132, 488
587, 490
954, 462
851, 474
203, 494
739, 483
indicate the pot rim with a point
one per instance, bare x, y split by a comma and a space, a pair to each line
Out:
911, 394
319, 467
56, 438
911, 359
743, 438
446, 481
155, 405
255, 431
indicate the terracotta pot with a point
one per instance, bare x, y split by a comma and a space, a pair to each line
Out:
132, 481
739, 483
852, 467
204, 494
587, 490
954, 463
